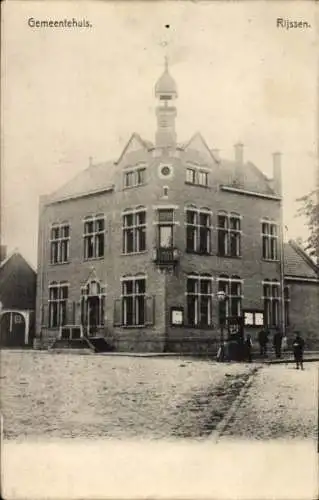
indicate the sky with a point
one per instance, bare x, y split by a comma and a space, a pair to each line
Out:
69, 94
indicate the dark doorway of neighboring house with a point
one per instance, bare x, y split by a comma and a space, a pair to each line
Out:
12, 329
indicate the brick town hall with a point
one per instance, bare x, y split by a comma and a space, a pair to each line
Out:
136, 249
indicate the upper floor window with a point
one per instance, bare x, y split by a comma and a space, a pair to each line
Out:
134, 177
133, 301
165, 227
271, 298
269, 240
231, 306
58, 298
94, 236
198, 230
134, 230
59, 243
197, 176
229, 235
199, 300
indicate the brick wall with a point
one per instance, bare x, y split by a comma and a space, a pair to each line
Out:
250, 267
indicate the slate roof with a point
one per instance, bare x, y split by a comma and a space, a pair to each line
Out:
93, 179
297, 263
100, 176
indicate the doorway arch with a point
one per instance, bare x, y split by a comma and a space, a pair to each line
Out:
14, 328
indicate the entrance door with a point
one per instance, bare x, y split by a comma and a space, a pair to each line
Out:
93, 304
12, 329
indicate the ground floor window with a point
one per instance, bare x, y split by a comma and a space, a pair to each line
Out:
199, 300
271, 298
231, 306
58, 298
133, 301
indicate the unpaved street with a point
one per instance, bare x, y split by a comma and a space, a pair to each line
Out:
282, 402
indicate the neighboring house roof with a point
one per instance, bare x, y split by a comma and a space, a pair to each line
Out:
297, 263
14, 252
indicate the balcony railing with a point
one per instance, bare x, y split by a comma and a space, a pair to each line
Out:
166, 256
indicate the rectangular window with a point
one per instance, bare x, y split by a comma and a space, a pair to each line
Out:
190, 175
59, 243
133, 301
165, 228
198, 177
269, 241
199, 301
271, 298
202, 178
58, 298
198, 231
134, 231
231, 306
229, 235
134, 177
94, 237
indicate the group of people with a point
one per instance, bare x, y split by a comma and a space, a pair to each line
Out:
263, 340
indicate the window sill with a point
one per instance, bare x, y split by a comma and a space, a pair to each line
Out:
128, 327
193, 252
59, 263
135, 186
270, 260
89, 259
143, 252
230, 256
196, 185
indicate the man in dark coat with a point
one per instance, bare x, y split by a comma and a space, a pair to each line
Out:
298, 346
277, 342
248, 348
263, 340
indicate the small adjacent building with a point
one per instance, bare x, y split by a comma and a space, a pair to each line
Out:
139, 249
17, 300
301, 294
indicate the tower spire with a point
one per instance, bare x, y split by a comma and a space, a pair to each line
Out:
166, 92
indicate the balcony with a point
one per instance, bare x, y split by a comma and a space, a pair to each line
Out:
166, 256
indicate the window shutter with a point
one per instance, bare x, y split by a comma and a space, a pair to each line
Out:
117, 317
149, 310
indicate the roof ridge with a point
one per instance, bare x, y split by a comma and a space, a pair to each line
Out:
303, 255
13, 252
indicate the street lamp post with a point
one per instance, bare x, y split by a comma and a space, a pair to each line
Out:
221, 297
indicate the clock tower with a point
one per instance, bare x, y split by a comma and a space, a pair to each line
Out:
166, 92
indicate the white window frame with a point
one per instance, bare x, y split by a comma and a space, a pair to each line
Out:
229, 296
136, 227
271, 303
197, 229
197, 176
197, 294
60, 302
60, 242
134, 174
135, 296
228, 233
95, 235
269, 237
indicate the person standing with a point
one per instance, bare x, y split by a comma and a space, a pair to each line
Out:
298, 346
263, 340
277, 343
248, 347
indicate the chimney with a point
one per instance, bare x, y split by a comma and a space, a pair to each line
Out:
239, 153
277, 177
3, 252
